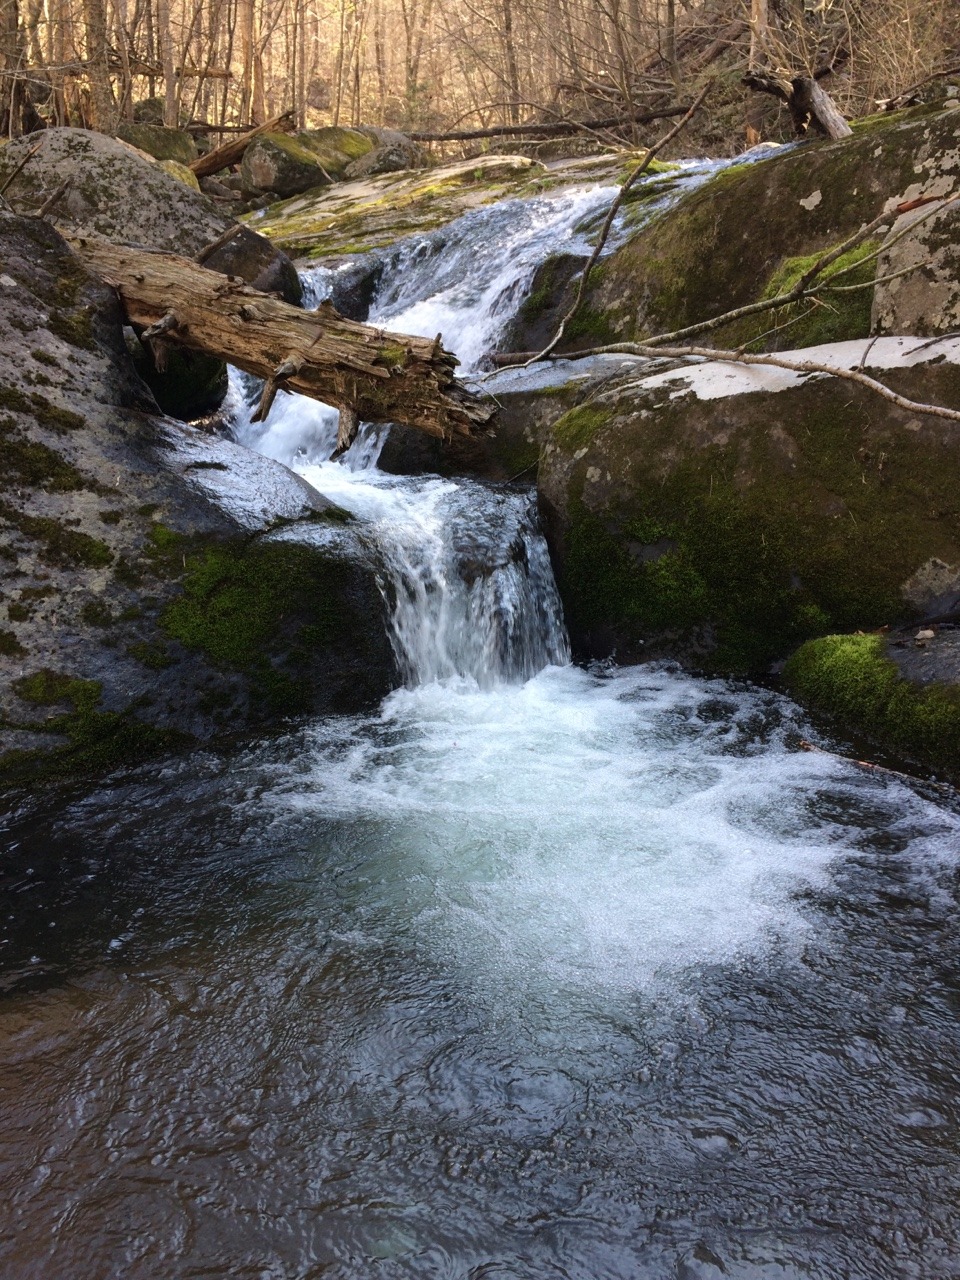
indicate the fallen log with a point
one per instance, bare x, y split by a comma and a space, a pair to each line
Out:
559, 129
231, 152
808, 102
370, 375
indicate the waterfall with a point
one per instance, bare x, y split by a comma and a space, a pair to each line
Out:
466, 571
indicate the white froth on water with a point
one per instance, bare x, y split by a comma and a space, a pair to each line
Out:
588, 830
540, 827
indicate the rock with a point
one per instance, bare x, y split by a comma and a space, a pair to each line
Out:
183, 173
161, 587
392, 153
373, 213
753, 225
288, 164
118, 194
217, 189
551, 296
927, 300
721, 515
163, 144
903, 699
278, 162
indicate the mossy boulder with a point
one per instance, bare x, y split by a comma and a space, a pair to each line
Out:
856, 683
722, 518
159, 142
117, 194
182, 172
160, 587
730, 241
288, 164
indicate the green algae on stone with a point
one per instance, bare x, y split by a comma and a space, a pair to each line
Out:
851, 679
95, 740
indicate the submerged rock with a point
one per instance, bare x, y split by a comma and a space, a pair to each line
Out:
161, 587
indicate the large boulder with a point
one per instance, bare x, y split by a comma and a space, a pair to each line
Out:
287, 164
722, 515
754, 226
160, 142
116, 193
918, 274
161, 587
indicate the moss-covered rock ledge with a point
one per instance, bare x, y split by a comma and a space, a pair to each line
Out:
723, 515
857, 685
746, 231
160, 587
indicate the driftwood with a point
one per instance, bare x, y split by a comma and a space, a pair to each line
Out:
368, 374
558, 129
232, 152
808, 102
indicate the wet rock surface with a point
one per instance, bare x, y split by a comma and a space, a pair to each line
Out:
160, 586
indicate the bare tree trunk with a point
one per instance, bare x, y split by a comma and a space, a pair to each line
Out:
759, 29
372, 375
102, 106
170, 118
808, 102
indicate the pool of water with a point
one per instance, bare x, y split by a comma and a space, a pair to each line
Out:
601, 975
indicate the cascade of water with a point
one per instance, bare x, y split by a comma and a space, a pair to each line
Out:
467, 573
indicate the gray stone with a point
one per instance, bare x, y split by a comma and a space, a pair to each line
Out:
161, 587
926, 300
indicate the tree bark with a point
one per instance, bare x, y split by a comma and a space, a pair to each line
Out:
808, 102
232, 152
369, 374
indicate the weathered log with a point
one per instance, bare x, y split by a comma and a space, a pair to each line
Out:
370, 374
807, 100
557, 129
232, 152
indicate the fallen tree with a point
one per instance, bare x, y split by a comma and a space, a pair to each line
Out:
232, 152
368, 374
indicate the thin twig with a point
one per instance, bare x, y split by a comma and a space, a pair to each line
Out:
20, 167
780, 362
611, 215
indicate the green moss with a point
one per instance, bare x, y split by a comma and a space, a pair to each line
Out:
835, 317
578, 427
30, 463
44, 357
73, 325
10, 646
96, 613
590, 327
37, 406
95, 740
111, 517
61, 545
851, 679
393, 356
154, 656
263, 609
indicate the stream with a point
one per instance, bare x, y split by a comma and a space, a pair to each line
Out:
536, 972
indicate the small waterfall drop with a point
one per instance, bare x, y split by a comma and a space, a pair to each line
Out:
467, 573
466, 569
